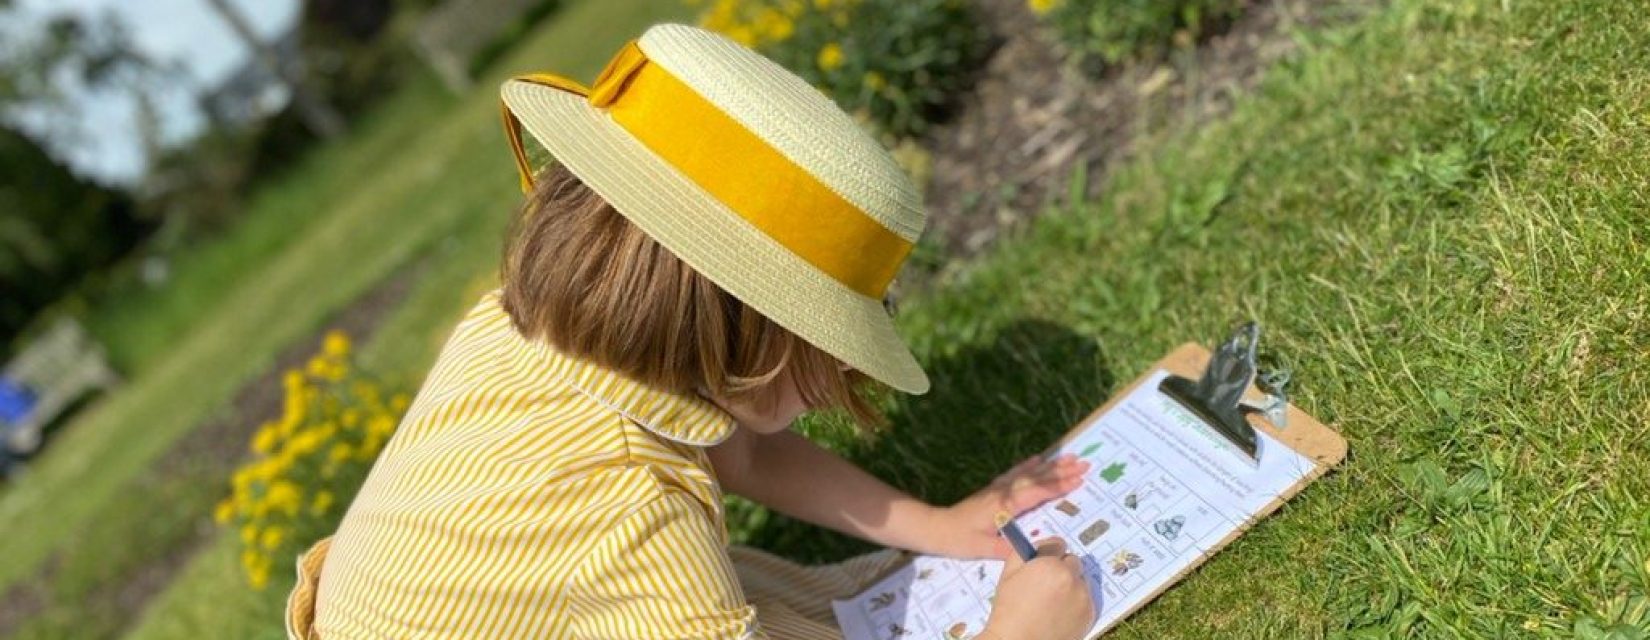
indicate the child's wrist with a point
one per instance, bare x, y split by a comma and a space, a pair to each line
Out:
949, 533
933, 531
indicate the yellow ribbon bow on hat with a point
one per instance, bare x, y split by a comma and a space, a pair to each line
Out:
736, 167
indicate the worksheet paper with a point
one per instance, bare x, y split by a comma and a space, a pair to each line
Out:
1162, 490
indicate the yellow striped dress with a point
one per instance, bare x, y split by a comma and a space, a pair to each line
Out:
528, 494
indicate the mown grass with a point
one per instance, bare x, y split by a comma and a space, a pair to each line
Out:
445, 182
1440, 217
139, 325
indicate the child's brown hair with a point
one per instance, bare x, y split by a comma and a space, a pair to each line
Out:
580, 276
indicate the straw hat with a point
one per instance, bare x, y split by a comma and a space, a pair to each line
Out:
749, 175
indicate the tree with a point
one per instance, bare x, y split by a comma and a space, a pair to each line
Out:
55, 226
319, 116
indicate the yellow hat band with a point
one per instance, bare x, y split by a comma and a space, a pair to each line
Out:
737, 167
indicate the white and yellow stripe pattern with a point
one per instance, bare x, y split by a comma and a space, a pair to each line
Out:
531, 495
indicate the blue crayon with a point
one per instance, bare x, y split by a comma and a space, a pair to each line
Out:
1016, 538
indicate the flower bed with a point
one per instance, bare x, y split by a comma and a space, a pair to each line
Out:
1102, 33
309, 463
896, 63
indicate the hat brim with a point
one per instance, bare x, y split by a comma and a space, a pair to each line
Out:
713, 239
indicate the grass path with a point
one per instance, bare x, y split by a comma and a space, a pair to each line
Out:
442, 177
1440, 215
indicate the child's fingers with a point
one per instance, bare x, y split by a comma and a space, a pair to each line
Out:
1046, 547
1024, 467
1035, 492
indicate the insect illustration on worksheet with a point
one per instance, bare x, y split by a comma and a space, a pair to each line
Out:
1124, 562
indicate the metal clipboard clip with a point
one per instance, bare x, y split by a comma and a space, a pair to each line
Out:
1217, 397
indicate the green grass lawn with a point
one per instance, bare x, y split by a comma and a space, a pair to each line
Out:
417, 179
1439, 215
140, 326
1442, 218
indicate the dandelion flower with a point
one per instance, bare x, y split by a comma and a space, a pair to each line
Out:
830, 57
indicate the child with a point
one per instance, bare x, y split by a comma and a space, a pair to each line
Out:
707, 262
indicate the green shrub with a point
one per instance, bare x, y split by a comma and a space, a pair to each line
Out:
897, 63
1101, 33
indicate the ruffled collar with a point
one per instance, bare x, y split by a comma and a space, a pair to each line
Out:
688, 419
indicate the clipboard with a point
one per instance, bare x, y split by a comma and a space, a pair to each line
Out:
1234, 363
1304, 434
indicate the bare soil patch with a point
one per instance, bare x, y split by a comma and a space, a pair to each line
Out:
1015, 142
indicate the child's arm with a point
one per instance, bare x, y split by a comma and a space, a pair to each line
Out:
800, 479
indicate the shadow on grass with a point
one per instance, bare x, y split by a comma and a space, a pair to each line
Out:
991, 406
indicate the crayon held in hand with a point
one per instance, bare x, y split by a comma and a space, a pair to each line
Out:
1016, 538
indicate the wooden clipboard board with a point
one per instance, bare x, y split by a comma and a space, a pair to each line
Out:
1305, 435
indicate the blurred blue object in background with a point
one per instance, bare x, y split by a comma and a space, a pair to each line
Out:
16, 401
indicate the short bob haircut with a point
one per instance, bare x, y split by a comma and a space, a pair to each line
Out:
581, 277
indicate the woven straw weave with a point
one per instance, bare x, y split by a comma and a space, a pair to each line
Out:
712, 239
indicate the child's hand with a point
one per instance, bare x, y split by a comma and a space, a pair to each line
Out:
969, 527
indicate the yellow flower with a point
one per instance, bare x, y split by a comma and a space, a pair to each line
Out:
335, 345
323, 502
340, 452
306, 441
775, 26
823, 4
398, 402
1042, 7
317, 367
381, 426
243, 479
743, 35
830, 57
258, 576
285, 496
366, 392
369, 447
874, 81
224, 511
249, 535
781, 29
273, 537
264, 441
